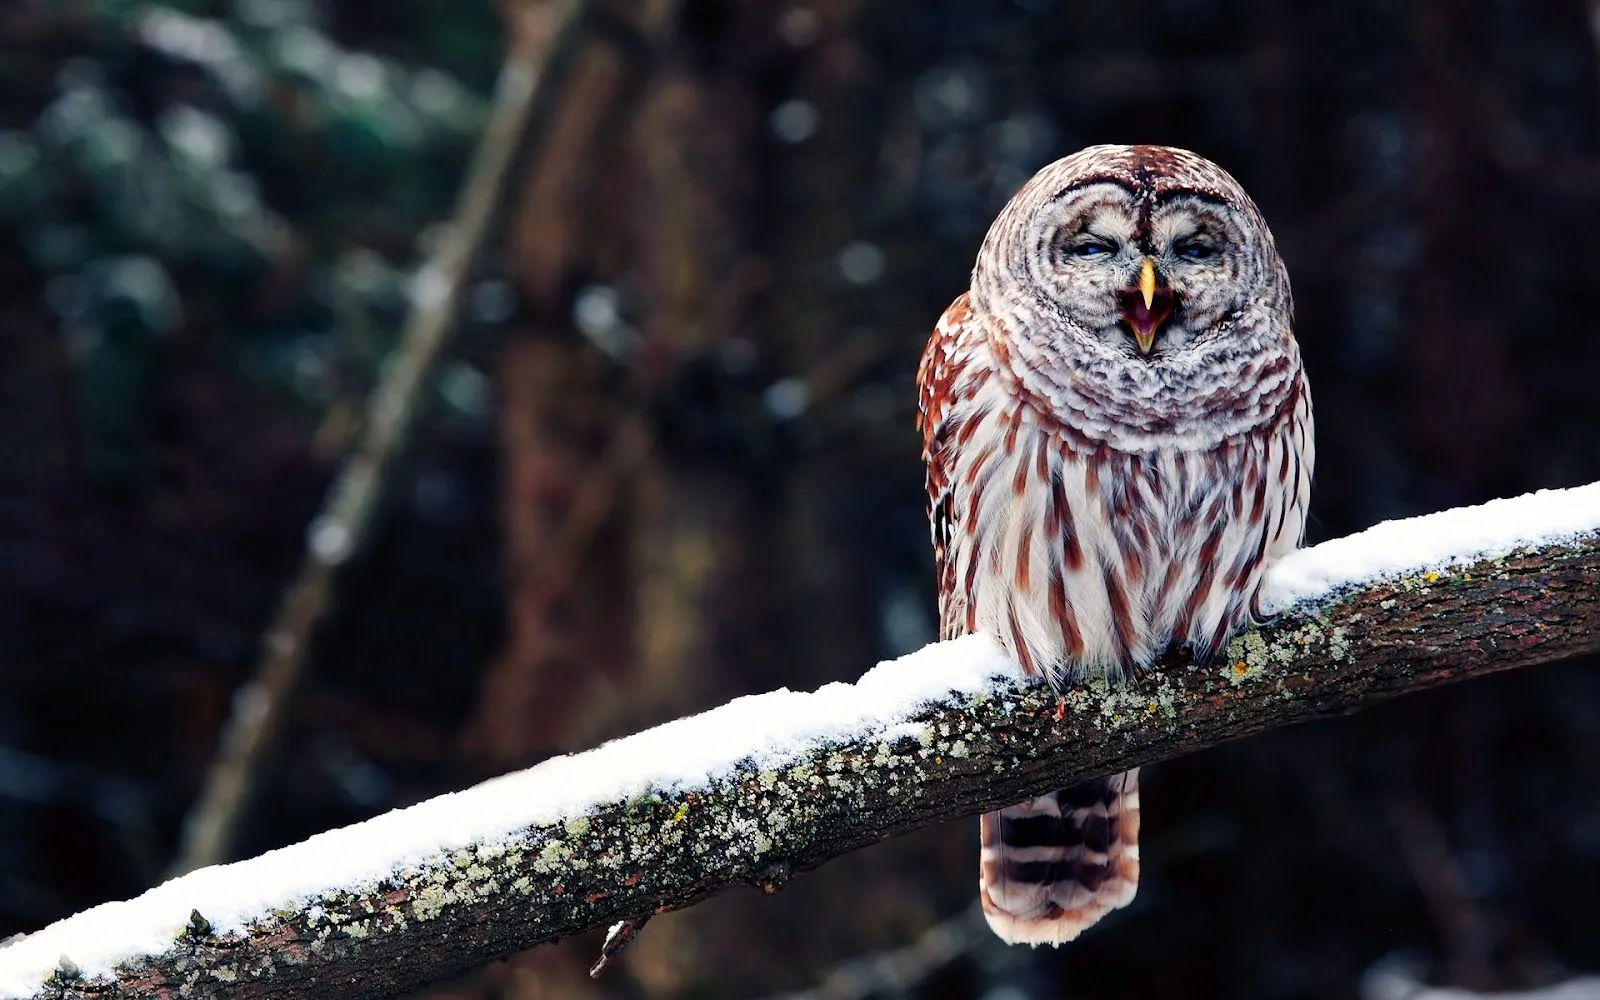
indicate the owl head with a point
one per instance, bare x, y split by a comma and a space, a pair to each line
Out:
1147, 255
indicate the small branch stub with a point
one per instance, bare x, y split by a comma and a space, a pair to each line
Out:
618, 938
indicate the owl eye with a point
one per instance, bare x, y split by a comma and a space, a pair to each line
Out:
1195, 250
1090, 249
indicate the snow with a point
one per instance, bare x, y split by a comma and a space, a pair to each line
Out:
1432, 542
1397, 979
770, 730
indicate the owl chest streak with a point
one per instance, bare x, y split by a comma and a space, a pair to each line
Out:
1084, 561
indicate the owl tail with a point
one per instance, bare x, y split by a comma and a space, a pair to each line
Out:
1053, 865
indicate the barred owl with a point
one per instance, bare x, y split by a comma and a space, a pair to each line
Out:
1117, 431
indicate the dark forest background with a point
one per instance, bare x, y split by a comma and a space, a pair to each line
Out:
669, 457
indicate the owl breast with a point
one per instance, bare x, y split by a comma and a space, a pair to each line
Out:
1082, 557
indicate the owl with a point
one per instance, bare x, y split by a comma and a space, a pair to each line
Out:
1117, 432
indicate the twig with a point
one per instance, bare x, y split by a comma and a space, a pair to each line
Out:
618, 937
261, 706
595, 498
898, 971
1464, 933
669, 846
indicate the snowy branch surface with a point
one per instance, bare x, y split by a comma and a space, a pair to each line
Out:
774, 784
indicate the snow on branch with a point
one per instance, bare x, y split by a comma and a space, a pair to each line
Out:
773, 784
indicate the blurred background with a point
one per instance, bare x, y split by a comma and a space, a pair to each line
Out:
668, 455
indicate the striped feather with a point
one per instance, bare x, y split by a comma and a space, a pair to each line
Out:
1088, 509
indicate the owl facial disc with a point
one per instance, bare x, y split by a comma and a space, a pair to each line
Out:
1146, 306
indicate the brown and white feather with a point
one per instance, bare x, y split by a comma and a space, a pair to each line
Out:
1090, 505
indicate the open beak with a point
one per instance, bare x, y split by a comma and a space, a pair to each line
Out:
1146, 306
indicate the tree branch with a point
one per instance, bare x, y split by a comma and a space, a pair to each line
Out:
421, 899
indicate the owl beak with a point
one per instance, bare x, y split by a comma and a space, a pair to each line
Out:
1146, 306
1147, 282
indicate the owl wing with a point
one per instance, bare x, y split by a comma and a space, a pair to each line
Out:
944, 362
1057, 863
1300, 441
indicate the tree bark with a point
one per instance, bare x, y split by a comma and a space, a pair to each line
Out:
562, 558
660, 852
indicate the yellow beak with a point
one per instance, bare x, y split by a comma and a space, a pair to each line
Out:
1147, 282
1146, 306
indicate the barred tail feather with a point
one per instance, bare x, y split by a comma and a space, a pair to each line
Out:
1054, 865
